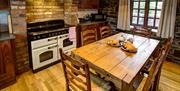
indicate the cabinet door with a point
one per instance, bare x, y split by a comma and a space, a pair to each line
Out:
7, 68
88, 4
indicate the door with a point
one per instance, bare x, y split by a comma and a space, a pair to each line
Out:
7, 68
44, 56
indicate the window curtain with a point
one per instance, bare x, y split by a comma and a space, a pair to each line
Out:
124, 15
167, 20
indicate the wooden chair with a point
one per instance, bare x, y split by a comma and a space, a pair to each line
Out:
151, 82
142, 31
89, 35
105, 31
77, 76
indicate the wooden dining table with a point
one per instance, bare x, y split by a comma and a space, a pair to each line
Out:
115, 64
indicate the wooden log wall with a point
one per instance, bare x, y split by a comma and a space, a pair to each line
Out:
175, 51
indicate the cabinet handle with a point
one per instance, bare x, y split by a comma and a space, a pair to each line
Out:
52, 39
52, 47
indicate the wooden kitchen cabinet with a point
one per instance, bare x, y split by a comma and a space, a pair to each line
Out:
7, 63
88, 26
88, 4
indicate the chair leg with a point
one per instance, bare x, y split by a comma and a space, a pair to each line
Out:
113, 87
157, 78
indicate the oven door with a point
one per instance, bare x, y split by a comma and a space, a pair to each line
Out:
65, 43
44, 56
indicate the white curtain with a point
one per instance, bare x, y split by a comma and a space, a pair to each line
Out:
124, 15
167, 20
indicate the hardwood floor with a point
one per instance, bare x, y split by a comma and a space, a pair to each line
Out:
170, 77
52, 79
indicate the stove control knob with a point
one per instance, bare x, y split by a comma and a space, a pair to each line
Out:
38, 37
34, 38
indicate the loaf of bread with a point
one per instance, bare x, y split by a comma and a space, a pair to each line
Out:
113, 42
129, 46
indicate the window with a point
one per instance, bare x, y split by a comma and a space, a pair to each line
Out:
146, 13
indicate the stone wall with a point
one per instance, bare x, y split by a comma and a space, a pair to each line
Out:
110, 7
18, 14
42, 10
70, 12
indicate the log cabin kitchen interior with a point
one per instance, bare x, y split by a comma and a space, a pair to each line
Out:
89, 45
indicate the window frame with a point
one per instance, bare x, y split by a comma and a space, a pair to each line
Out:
146, 13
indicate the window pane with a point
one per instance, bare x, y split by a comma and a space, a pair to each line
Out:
150, 22
142, 5
141, 13
141, 21
158, 14
157, 22
152, 5
136, 4
134, 20
135, 12
159, 6
151, 13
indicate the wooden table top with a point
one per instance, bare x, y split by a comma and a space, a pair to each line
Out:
121, 64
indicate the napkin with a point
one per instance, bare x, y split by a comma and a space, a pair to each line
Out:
72, 34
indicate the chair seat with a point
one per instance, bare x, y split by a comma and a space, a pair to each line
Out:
142, 84
97, 84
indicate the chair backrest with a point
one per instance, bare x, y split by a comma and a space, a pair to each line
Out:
105, 31
142, 31
156, 66
76, 73
88, 35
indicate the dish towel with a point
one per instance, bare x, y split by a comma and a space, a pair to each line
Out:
72, 34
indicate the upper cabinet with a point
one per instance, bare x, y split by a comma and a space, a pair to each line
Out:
4, 4
88, 4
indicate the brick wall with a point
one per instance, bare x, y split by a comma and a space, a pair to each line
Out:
41, 10
18, 14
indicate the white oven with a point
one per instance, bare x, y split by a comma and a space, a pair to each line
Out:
44, 52
65, 43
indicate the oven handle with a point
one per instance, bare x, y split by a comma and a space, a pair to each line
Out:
52, 47
52, 39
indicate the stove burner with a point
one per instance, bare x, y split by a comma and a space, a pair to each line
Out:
41, 30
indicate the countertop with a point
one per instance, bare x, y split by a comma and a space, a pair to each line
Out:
6, 36
91, 22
